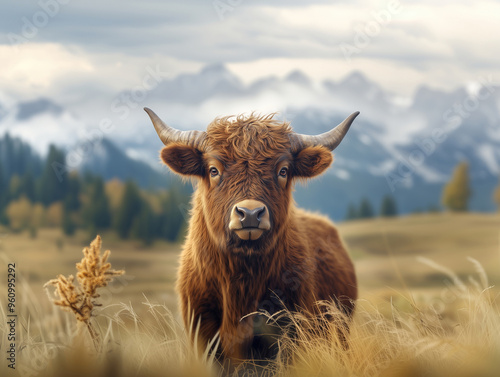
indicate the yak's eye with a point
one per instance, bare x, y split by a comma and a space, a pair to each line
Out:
214, 172
283, 172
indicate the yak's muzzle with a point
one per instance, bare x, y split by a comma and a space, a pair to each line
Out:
249, 219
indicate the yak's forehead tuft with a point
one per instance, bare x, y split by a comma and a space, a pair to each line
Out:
251, 136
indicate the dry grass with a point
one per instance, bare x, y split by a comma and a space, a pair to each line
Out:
418, 341
150, 270
446, 326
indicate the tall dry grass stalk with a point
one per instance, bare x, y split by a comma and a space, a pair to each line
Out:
94, 272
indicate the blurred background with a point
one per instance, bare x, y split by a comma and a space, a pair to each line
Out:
416, 181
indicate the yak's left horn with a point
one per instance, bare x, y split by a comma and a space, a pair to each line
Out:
330, 139
169, 135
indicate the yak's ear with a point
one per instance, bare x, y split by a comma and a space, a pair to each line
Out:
183, 159
312, 161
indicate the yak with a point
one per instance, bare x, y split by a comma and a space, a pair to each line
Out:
248, 247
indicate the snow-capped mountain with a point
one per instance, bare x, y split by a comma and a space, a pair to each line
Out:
110, 161
29, 109
41, 122
404, 146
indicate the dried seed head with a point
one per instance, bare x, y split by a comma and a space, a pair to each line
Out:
94, 272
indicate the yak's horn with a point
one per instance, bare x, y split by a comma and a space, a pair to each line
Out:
169, 135
330, 139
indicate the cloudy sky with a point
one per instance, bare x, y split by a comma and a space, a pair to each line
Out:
83, 54
70, 50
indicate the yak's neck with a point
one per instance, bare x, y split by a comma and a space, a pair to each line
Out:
246, 278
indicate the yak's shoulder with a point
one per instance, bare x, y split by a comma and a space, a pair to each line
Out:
321, 237
315, 223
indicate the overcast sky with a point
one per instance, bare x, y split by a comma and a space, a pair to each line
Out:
70, 49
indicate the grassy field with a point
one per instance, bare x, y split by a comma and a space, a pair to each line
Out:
421, 270
389, 253
150, 271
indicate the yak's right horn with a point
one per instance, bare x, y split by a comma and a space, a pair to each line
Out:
330, 139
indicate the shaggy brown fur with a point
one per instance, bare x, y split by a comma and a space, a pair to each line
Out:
301, 259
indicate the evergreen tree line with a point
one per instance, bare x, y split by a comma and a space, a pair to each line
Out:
32, 195
456, 196
365, 210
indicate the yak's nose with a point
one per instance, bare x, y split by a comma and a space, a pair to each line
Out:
249, 219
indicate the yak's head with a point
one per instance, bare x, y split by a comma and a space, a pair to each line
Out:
245, 168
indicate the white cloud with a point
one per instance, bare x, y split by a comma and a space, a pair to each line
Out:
75, 78
40, 131
34, 67
98, 47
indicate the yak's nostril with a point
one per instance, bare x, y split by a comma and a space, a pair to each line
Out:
260, 212
240, 213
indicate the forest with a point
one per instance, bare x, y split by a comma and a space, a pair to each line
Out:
36, 193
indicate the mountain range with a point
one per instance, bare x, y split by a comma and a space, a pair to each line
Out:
407, 147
